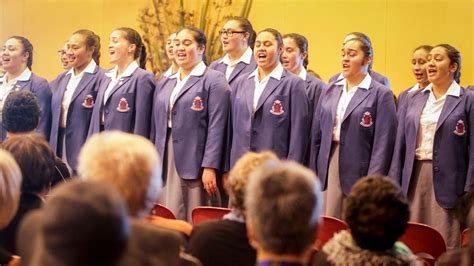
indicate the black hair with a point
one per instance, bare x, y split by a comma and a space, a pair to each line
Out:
302, 44
246, 26
455, 58
92, 42
27, 48
21, 112
133, 37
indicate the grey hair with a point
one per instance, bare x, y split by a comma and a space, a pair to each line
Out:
284, 202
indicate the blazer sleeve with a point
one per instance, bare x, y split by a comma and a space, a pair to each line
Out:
399, 150
300, 123
43, 92
384, 139
316, 135
218, 111
144, 105
469, 186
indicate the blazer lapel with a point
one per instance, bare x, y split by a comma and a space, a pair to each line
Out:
271, 86
167, 89
449, 105
238, 68
250, 93
121, 82
335, 100
417, 106
189, 83
22, 85
85, 80
359, 96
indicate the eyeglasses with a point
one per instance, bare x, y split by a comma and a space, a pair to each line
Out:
229, 32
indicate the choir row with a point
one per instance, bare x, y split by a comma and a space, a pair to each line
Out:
259, 96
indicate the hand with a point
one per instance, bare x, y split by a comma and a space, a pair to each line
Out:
209, 180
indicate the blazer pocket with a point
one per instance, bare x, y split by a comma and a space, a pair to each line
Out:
124, 103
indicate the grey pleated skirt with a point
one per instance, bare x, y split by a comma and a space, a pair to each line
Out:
333, 195
424, 207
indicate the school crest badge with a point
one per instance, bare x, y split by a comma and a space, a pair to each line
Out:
123, 106
460, 129
366, 120
197, 104
17, 87
277, 108
88, 101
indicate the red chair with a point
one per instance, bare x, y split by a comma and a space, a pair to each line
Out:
328, 227
162, 211
465, 235
202, 214
424, 241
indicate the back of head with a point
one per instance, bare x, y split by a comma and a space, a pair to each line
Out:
377, 213
10, 182
83, 223
128, 162
35, 158
239, 176
283, 206
21, 112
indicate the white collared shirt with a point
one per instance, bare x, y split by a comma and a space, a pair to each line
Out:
260, 85
429, 121
303, 73
114, 79
344, 101
7, 86
414, 88
168, 72
198, 70
71, 88
245, 58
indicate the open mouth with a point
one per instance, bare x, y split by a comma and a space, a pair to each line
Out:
111, 52
432, 72
181, 56
345, 67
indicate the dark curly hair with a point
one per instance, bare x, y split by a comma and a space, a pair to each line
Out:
377, 213
21, 112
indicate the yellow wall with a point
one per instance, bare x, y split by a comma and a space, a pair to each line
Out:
395, 27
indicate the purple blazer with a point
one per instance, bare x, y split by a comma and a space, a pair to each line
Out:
79, 112
129, 105
471, 88
366, 138
280, 122
453, 158
240, 69
39, 87
199, 119
374, 75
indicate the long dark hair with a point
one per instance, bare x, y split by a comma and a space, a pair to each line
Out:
27, 48
92, 42
133, 37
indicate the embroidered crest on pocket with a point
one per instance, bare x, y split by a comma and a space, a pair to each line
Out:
277, 108
460, 129
88, 101
197, 104
123, 106
366, 120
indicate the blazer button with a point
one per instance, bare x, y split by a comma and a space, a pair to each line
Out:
174, 112
342, 143
435, 153
106, 111
436, 169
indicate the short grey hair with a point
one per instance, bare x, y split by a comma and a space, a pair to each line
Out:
283, 207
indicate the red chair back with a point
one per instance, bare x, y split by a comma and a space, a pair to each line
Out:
424, 241
465, 235
202, 214
162, 211
328, 227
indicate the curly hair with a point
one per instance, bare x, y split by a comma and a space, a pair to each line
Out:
239, 176
21, 112
377, 212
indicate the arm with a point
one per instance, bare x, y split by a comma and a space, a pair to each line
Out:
300, 123
316, 134
144, 105
43, 92
398, 159
469, 186
384, 137
218, 111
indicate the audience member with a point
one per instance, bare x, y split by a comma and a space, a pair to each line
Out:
21, 115
377, 213
130, 163
215, 242
82, 223
283, 201
10, 182
36, 160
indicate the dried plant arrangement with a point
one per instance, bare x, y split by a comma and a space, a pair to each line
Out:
163, 17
